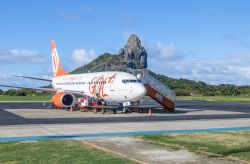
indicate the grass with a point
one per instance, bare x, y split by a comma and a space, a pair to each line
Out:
24, 98
232, 144
55, 151
216, 98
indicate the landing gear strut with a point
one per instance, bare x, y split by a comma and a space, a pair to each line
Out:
102, 102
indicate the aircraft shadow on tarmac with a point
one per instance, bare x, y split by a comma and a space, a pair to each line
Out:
6, 116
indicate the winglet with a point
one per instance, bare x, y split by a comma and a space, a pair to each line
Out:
56, 65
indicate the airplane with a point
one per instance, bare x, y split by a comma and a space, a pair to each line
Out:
110, 86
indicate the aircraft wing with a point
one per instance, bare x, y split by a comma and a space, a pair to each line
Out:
44, 89
38, 89
34, 78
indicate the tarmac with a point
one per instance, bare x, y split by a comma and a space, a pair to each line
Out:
36, 121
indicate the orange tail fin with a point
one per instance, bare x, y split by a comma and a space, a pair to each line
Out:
56, 65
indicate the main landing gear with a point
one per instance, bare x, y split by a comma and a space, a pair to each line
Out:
169, 110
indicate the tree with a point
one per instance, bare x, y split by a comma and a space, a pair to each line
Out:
14, 92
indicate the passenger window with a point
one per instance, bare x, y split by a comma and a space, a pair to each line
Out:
125, 81
133, 81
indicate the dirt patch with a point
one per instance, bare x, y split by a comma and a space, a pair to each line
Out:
159, 155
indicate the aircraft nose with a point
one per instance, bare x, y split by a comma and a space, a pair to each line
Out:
142, 91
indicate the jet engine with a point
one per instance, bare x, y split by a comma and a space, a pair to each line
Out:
62, 99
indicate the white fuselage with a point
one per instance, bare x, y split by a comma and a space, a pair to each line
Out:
110, 86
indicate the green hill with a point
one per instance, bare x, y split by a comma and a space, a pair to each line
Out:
185, 87
105, 62
182, 87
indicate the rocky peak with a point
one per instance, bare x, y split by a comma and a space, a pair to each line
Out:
134, 41
134, 54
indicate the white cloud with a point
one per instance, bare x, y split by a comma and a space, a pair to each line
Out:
81, 56
19, 56
232, 69
166, 51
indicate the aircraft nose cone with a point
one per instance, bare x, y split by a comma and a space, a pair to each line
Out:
142, 91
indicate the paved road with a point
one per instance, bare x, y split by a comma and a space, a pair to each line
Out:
238, 111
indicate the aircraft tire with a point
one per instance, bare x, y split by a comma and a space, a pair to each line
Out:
171, 110
114, 111
102, 102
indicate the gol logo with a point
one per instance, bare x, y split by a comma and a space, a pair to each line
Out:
55, 60
96, 86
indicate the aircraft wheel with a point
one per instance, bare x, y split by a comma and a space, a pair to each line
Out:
115, 111
102, 102
165, 109
171, 110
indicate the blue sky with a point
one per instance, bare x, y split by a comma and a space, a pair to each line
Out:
200, 40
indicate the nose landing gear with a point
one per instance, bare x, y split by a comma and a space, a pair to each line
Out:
102, 102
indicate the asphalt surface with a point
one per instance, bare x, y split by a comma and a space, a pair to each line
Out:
243, 109
188, 104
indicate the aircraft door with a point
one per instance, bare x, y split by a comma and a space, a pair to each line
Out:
111, 86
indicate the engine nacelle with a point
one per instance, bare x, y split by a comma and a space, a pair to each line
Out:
62, 99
